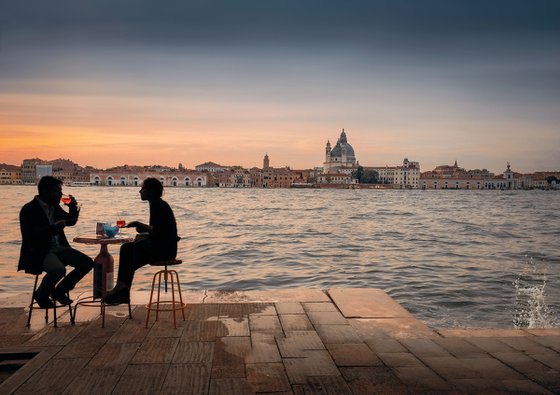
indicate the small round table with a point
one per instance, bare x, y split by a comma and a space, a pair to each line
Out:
103, 270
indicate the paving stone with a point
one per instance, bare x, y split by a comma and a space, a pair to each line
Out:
385, 345
480, 386
490, 345
450, 367
194, 352
230, 386
366, 303
526, 344
398, 328
233, 327
203, 312
552, 342
524, 387
268, 377
549, 359
341, 334
114, 355
289, 308
422, 378
461, 348
263, 349
296, 343
52, 377
326, 318
187, 379
325, 307
141, 379
482, 332
229, 357
491, 368
95, 381
295, 322
201, 331
395, 360
373, 380
156, 350
424, 348
164, 328
314, 363
532, 369
265, 324
82, 347
353, 355
51, 336
328, 385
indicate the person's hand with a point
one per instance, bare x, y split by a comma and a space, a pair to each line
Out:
132, 224
73, 201
140, 227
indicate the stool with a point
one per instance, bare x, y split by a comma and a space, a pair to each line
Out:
166, 305
33, 302
104, 306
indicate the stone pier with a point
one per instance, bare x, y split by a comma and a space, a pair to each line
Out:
294, 341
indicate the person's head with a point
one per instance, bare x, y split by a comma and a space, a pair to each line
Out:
50, 189
152, 188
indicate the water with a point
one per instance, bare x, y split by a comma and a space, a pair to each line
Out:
452, 258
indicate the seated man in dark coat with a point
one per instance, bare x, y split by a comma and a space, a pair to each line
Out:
155, 242
44, 246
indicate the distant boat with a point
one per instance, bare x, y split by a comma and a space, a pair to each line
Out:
80, 184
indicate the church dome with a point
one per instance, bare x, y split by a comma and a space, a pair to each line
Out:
341, 147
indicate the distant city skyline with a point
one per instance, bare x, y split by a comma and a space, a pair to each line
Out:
108, 84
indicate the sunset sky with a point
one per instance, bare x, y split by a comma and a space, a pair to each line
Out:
144, 82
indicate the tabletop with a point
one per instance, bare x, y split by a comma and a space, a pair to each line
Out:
97, 239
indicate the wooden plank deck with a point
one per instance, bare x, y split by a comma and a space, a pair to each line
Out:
344, 341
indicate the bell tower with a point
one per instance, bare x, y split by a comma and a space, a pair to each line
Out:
266, 162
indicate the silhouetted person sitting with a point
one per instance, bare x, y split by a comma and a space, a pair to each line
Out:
44, 246
156, 241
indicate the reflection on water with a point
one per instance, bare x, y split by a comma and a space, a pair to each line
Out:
450, 257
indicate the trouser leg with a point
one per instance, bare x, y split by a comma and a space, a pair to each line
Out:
54, 270
82, 265
132, 257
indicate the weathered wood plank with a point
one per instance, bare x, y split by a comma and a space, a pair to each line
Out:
268, 377
187, 379
114, 355
314, 363
194, 352
142, 379
53, 377
44, 355
229, 357
156, 350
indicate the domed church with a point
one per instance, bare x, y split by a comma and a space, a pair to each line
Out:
341, 156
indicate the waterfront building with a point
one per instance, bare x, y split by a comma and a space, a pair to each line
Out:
133, 177
10, 174
29, 170
211, 167
405, 176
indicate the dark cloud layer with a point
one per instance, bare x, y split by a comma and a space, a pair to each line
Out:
431, 23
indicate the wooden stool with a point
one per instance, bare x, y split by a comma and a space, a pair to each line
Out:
168, 304
33, 302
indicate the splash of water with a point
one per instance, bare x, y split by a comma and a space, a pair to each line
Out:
531, 310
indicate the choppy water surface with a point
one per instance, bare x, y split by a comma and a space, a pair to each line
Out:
452, 258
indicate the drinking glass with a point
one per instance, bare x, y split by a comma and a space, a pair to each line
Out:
65, 199
120, 219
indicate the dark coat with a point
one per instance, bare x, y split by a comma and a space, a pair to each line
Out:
37, 232
164, 234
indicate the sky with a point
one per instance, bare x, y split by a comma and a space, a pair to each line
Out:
111, 82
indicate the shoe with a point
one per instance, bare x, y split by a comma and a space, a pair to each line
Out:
43, 302
62, 298
119, 297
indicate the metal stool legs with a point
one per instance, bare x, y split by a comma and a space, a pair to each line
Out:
33, 302
166, 305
